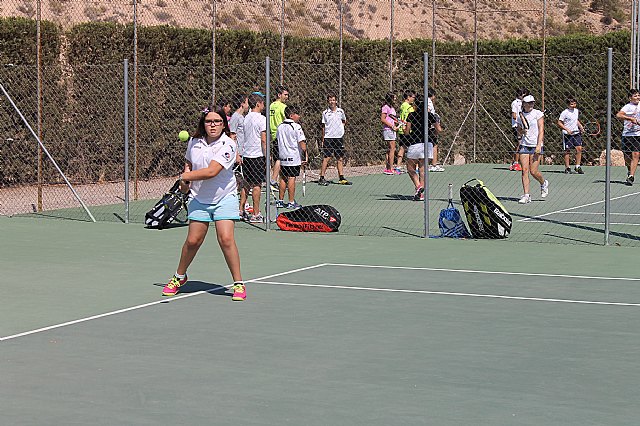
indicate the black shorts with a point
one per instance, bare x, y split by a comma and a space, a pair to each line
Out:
631, 143
275, 152
571, 141
289, 171
254, 170
404, 140
333, 147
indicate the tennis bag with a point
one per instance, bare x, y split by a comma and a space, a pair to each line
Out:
486, 216
451, 224
314, 218
167, 209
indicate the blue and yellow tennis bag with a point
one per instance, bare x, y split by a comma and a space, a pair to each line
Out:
486, 216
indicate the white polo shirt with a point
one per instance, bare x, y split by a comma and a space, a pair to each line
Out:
200, 154
254, 124
569, 118
333, 123
516, 107
289, 135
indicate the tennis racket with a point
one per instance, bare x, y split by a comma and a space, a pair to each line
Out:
592, 128
400, 123
304, 181
524, 121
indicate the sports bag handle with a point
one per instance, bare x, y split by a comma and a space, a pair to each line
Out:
477, 180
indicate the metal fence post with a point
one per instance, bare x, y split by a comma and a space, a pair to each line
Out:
607, 185
267, 109
425, 135
126, 141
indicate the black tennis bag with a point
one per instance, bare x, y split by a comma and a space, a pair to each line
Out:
314, 218
486, 216
167, 209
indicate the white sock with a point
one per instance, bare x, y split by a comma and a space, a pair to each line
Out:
180, 277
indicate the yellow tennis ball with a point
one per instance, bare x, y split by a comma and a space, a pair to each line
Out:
183, 135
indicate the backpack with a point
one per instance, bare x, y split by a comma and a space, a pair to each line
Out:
486, 216
167, 209
314, 218
450, 221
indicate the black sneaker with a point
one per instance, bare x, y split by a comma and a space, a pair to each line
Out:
579, 170
630, 180
567, 171
322, 181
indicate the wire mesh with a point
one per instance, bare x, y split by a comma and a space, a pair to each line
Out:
82, 109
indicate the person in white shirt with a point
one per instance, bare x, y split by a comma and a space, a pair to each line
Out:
516, 108
571, 134
292, 148
236, 122
333, 122
630, 115
254, 164
208, 172
531, 130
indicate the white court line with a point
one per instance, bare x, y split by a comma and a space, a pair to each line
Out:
449, 293
527, 219
471, 271
145, 305
592, 223
601, 213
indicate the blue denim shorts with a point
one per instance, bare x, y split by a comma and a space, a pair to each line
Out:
226, 209
529, 150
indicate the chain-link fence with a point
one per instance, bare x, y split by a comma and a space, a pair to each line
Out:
78, 111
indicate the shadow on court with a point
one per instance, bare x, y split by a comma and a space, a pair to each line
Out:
197, 286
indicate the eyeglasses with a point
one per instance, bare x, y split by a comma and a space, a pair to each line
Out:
215, 122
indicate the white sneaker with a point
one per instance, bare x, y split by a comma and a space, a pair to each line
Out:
436, 168
544, 189
525, 199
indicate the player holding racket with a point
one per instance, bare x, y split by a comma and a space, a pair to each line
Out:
516, 108
630, 115
209, 171
333, 122
530, 124
389, 129
572, 131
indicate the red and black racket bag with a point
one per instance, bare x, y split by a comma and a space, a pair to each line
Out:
315, 218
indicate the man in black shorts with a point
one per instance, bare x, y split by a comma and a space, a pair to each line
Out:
333, 121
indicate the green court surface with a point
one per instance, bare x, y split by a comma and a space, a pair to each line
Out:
376, 204
336, 330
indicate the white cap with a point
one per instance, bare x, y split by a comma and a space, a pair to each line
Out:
528, 98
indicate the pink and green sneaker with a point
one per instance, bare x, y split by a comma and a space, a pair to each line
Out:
239, 292
171, 289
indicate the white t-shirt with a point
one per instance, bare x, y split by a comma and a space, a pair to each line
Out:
236, 125
200, 154
516, 107
631, 129
333, 123
289, 135
430, 107
254, 124
530, 137
569, 118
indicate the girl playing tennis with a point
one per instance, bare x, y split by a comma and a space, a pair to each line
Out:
208, 171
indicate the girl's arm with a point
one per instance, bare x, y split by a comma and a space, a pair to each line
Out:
540, 134
209, 172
